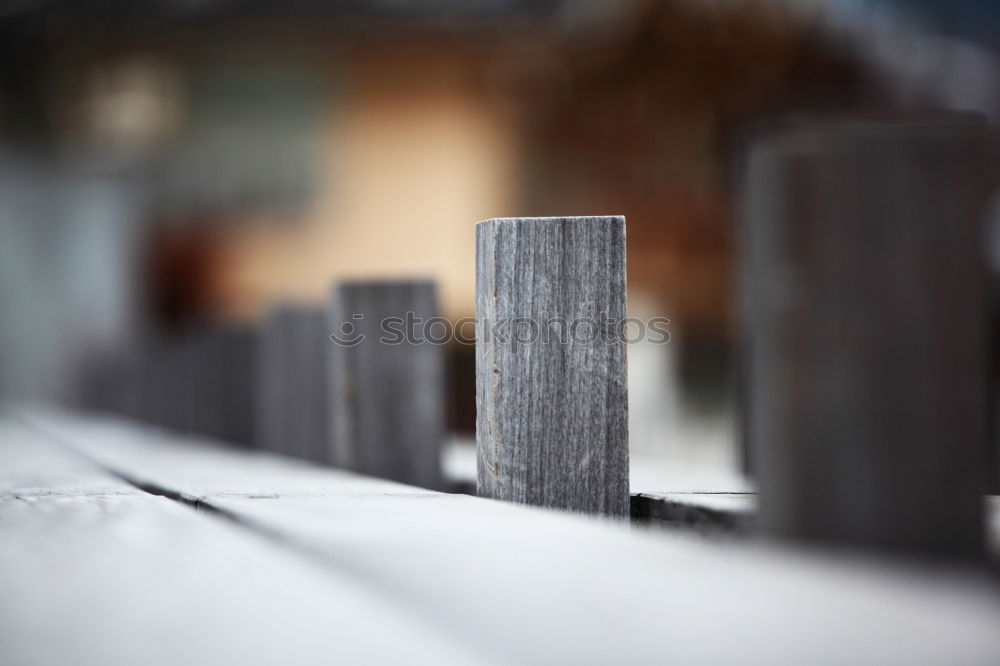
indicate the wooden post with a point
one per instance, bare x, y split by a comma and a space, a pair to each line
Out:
204, 384
863, 312
387, 380
291, 397
992, 253
551, 393
238, 354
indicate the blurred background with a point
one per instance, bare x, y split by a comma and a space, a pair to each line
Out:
171, 167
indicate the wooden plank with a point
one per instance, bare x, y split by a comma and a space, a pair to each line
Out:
531, 586
152, 458
387, 381
291, 383
551, 390
863, 308
31, 468
94, 571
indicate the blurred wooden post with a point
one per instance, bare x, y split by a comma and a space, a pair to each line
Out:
863, 313
291, 392
203, 384
992, 253
387, 380
551, 394
237, 358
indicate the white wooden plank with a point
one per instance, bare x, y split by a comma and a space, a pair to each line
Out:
93, 571
206, 466
536, 586
30, 468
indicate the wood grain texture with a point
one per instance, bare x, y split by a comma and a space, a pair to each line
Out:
95, 572
520, 585
291, 384
863, 313
387, 389
551, 392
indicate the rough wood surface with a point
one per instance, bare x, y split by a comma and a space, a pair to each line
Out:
529, 586
291, 383
387, 390
551, 392
863, 310
95, 572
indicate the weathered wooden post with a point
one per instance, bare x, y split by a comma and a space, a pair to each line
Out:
863, 311
292, 400
387, 380
551, 392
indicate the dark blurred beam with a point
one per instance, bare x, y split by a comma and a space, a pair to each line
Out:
186, 10
291, 393
864, 323
387, 381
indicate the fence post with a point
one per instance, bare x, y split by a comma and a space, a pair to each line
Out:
291, 393
863, 313
387, 380
239, 352
551, 393
211, 378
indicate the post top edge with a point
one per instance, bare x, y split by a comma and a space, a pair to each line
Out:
554, 218
284, 307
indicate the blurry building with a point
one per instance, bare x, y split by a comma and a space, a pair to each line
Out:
197, 162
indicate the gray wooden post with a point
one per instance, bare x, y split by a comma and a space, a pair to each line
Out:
195, 375
292, 401
203, 384
551, 394
387, 380
238, 354
863, 311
